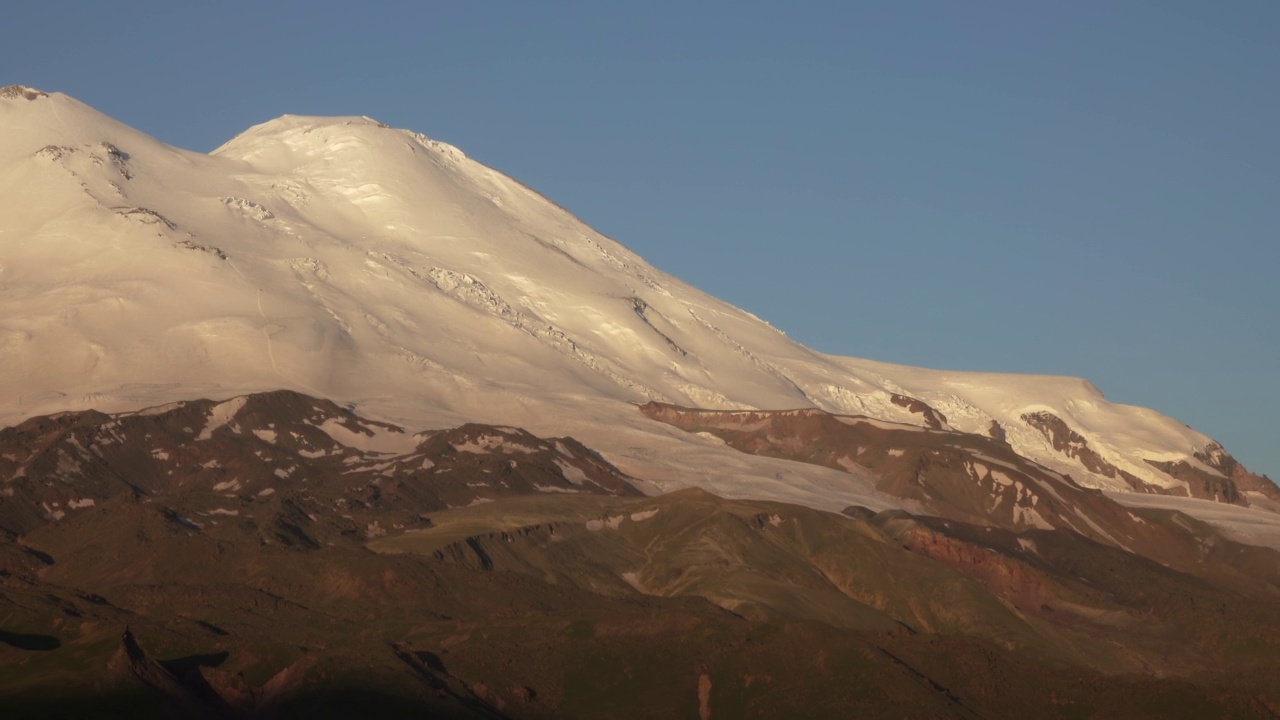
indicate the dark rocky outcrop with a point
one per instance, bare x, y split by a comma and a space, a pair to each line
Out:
302, 458
932, 418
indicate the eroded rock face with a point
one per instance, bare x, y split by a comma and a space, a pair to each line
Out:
1219, 459
1005, 574
997, 432
1199, 483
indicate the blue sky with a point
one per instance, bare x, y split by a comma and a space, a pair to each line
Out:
1083, 188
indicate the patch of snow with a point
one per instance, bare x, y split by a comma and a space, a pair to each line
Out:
613, 522
571, 473
1030, 516
848, 464
491, 443
159, 409
1000, 478
380, 439
220, 415
995, 505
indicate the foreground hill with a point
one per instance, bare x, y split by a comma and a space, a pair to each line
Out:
277, 555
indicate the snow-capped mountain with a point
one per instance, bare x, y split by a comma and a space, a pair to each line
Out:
382, 269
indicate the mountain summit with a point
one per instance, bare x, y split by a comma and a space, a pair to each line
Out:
382, 269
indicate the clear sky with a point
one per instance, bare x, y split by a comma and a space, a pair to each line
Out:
1083, 188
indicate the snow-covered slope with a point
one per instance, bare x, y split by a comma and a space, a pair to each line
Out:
378, 267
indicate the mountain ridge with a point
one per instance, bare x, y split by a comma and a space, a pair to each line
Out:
350, 260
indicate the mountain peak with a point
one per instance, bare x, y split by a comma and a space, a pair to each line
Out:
290, 141
35, 119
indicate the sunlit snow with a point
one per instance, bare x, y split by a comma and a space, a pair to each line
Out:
383, 269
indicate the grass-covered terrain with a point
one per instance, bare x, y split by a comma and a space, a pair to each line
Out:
672, 606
